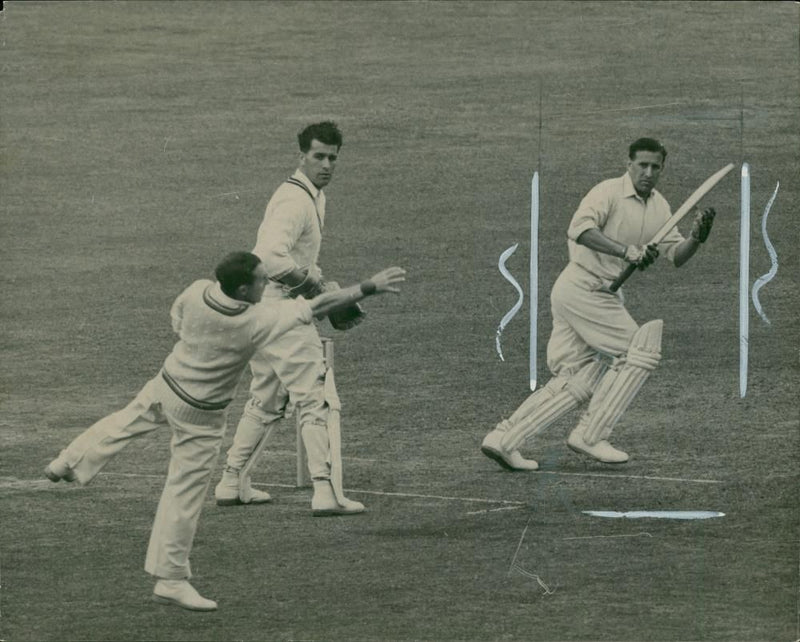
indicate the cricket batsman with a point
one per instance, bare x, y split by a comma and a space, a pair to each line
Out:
597, 353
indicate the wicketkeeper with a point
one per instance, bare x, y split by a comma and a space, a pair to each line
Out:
288, 243
597, 353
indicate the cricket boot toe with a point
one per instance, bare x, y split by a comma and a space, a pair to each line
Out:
601, 451
58, 469
181, 593
232, 492
512, 460
324, 502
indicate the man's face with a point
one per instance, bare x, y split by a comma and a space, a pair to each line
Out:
644, 170
319, 162
255, 290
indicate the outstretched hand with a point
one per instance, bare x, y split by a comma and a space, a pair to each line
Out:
385, 280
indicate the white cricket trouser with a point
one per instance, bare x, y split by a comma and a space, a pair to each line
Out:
90, 451
586, 321
294, 368
196, 441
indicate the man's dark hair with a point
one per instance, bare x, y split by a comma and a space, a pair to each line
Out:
236, 269
647, 145
326, 132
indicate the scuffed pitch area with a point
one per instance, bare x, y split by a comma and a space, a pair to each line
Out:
141, 141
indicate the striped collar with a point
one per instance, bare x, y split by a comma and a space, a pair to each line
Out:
299, 177
217, 300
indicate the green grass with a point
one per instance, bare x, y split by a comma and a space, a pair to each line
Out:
141, 141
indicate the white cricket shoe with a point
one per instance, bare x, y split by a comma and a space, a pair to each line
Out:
230, 492
601, 451
181, 593
512, 460
324, 502
58, 469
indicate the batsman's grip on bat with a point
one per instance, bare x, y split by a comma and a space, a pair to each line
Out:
641, 256
701, 228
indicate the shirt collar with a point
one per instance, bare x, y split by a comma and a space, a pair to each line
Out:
629, 190
627, 186
307, 182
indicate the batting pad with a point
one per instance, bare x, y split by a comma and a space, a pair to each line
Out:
620, 385
547, 405
334, 435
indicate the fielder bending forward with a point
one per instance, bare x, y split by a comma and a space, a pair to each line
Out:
591, 326
288, 243
220, 325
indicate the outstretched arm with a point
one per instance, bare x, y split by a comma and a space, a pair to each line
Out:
382, 282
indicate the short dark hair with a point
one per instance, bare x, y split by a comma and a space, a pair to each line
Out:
647, 145
326, 132
236, 269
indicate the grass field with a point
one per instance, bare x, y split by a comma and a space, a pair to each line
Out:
141, 141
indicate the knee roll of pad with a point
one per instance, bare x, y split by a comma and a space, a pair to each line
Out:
583, 384
645, 348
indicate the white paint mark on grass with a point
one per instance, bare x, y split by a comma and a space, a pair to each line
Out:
513, 311
656, 514
773, 257
744, 278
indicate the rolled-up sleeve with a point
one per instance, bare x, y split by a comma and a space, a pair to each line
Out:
592, 213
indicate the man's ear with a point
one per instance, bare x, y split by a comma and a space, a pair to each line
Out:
241, 293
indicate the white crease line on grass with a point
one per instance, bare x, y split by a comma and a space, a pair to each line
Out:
649, 477
293, 453
357, 490
642, 534
493, 510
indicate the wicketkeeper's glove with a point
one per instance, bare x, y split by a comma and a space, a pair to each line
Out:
344, 318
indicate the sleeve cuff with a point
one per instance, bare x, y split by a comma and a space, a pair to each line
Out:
576, 230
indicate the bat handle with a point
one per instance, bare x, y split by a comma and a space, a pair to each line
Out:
623, 276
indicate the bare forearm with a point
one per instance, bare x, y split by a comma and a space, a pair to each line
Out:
595, 240
685, 250
327, 302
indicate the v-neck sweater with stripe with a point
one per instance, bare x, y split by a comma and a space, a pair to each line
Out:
218, 335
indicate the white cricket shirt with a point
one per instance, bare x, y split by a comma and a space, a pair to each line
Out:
614, 207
